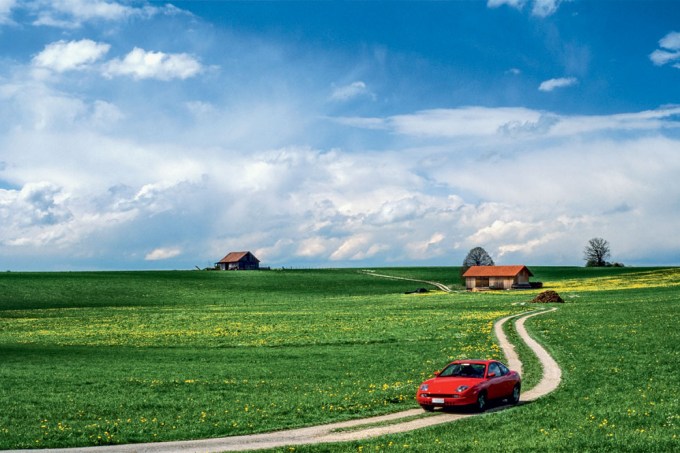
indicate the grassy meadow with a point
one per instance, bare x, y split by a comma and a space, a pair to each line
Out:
106, 358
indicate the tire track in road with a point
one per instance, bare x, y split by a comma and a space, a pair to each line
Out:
351, 430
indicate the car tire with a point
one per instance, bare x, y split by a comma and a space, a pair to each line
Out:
427, 407
481, 402
514, 398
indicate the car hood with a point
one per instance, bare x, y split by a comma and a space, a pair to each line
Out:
450, 384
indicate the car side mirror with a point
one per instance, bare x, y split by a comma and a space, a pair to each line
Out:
490, 375
436, 373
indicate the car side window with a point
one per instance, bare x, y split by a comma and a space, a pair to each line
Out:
493, 368
504, 369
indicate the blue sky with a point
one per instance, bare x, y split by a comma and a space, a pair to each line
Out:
161, 135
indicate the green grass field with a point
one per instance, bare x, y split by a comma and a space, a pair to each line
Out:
106, 358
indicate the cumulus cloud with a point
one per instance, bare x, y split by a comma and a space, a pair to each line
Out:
671, 41
322, 206
532, 185
358, 247
428, 248
33, 214
500, 229
539, 8
562, 82
351, 91
63, 56
163, 254
669, 51
142, 64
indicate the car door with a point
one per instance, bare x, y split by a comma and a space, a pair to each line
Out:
508, 381
495, 382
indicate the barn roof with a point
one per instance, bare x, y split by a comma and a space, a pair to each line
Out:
235, 257
495, 271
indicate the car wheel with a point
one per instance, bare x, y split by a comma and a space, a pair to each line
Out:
481, 402
427, 407
514, 399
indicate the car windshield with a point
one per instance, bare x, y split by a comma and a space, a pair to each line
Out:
475, 370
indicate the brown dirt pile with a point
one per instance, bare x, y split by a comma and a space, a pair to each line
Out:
548, 297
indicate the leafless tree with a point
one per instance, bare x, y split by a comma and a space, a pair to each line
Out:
596, 252
476, 257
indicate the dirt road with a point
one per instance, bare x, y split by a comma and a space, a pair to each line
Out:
354, 429
441, 286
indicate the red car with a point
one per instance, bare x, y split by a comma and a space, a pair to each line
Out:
470, 383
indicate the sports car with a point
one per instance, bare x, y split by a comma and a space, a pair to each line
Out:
470, 383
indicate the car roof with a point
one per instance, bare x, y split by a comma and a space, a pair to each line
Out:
475, 361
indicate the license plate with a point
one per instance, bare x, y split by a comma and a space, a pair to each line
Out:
437, 400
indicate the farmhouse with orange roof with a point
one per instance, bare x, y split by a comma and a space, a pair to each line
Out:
497, 277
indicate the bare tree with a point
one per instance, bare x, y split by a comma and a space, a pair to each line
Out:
476, 257
596, 252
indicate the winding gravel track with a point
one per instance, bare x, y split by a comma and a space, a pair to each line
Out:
353, 429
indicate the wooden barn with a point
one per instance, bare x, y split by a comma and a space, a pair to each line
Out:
238, 261
497, 277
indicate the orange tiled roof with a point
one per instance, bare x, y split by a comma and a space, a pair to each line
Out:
495, 271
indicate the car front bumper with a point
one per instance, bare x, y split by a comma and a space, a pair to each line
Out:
446, 400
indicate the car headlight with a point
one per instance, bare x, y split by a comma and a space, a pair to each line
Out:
424, 387
462, 388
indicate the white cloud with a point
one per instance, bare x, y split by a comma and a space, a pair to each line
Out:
343, 207
163, 254
6, 7
364, 123
533, 185
33, 215
358, 247
432, 247
500, 229
63, 56
539, 8
74, 13
528, 247
671, 41
142, 64
563, 82
669, 52
513, 3
351, 91
516, 123
661, 57
544, 8
313, 247
464, 121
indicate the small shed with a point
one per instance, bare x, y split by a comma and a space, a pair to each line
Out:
497, 277
238, 261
